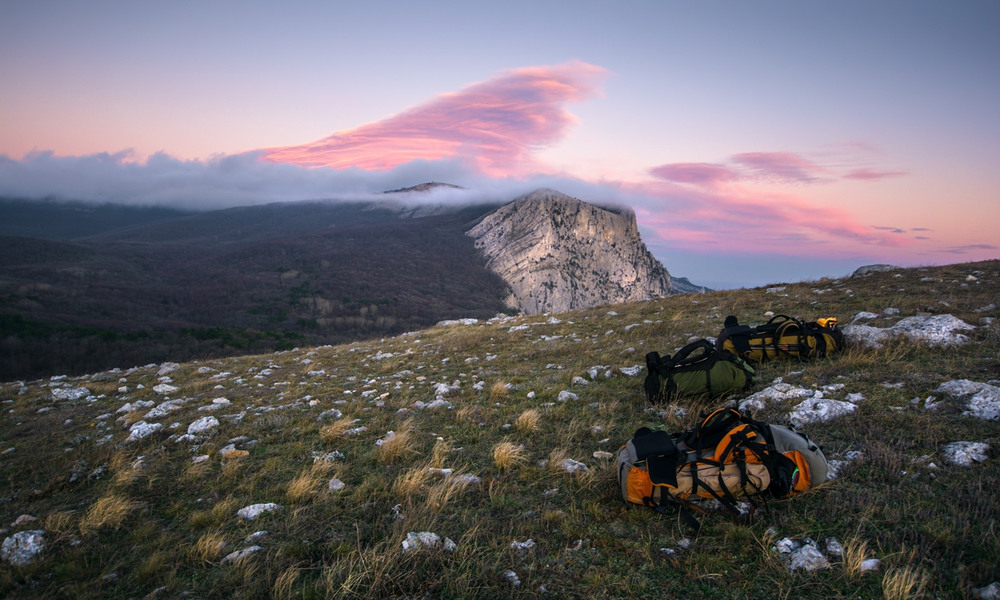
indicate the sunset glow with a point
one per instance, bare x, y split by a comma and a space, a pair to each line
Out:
744, 136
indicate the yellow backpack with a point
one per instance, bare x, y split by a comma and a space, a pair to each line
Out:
781, 337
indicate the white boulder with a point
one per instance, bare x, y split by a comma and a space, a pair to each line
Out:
255, 510
963, 454
202, 425
980, 400
426, 540
22, 547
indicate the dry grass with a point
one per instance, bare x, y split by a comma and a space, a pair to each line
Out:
441, 453
335, 431
469, 414
307, 483
209, 547
855, 554
499, 390
906, 583
412, 482
507, 454
108, 512
527, 421
284, 584
400, 446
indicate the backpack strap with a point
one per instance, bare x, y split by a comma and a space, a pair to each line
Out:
738, 334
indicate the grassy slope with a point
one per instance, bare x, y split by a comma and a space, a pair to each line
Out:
154, 521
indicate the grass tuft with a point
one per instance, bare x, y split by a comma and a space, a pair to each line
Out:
506, 454
905, 583
108, 512
527, 421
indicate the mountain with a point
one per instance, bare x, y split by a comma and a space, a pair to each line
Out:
84, 287
558, 253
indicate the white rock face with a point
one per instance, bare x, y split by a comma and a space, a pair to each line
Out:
558, 253
22, 547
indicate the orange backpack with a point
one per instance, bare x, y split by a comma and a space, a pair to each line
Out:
726, 457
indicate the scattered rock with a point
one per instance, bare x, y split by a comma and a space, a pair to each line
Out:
869, 269
336, 485
512, 577
871, 564
963, 454
70, 393
202, 425
239, 555
819, 411
981, 400
933, 330
141, 429
255, 510
989, 592
21, 548
426, 540
567, 395
522, 546
572, 466
164, 388
800, 554
21, 520
778, 392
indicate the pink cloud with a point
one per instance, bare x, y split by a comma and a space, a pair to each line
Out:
781, 167
495, 125
700, 173
873, 174
739, 219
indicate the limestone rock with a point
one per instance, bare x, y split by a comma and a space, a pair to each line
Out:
558, 253
801, 554
202, 425
963, 454
22, 547
980, 400
935, 330
255, 510
426, 540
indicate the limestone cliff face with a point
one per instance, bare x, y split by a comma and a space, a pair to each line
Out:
559, 253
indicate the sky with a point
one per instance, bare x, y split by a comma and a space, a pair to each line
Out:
757, 142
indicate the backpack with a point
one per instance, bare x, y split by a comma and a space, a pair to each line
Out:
697, 369
781, 337
727, 456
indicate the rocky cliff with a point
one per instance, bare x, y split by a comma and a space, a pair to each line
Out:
559, 253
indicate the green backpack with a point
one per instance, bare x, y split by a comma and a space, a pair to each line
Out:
698, 369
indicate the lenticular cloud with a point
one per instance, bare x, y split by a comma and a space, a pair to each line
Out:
493, 125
